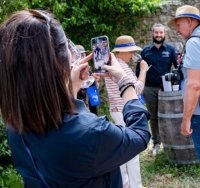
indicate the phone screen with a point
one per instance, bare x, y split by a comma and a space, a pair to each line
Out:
100, 49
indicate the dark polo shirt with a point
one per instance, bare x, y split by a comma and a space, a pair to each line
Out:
160, 60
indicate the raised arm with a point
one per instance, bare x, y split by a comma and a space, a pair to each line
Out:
118, 144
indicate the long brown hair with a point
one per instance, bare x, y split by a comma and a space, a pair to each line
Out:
35, 84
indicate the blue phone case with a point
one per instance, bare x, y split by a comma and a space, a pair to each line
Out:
93, 95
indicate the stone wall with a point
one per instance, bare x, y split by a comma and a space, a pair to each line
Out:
143, 34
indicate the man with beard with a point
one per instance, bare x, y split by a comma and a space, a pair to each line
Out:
160, 56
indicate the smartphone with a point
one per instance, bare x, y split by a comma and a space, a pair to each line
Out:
101, 53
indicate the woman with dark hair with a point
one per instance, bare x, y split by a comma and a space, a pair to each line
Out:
54, 140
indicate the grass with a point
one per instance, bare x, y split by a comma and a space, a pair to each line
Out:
158, 172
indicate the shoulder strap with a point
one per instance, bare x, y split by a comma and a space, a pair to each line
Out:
183, 50
196, 35
40, 175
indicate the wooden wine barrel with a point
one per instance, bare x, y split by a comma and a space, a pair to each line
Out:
178, 148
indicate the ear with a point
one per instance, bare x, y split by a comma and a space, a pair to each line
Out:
195, 22
190, 21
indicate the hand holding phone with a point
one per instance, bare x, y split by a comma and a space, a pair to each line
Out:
115, 70
101, 51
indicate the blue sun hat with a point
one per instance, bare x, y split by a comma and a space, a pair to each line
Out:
125, 43
185, 11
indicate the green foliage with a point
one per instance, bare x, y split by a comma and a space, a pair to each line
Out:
9, 178
84, 19
9, 6
4, 150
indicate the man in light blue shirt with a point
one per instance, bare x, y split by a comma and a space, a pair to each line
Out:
187, 22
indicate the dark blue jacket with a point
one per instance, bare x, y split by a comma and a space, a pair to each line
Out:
161, 61
85, 152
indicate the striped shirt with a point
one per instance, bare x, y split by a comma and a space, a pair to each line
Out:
113, 92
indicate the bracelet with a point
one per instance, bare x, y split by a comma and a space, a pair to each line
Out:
125, 84
123, 80
125, 87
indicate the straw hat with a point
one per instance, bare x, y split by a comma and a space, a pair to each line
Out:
81, 49
125, 43
185, 11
